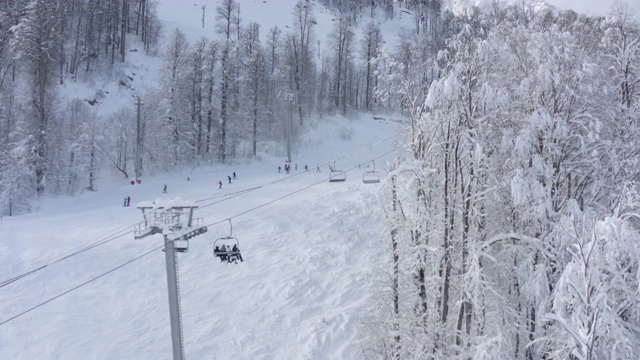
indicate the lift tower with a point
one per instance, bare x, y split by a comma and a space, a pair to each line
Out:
174, 220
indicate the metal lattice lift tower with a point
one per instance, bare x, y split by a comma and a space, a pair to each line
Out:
174, 220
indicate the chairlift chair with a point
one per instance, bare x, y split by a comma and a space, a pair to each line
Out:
371, 177
228, 241
336, 175
181, 246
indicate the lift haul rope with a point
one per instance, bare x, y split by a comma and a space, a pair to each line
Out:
101, 242
71, 254
81, 285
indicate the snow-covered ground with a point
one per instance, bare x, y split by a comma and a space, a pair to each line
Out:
309, 246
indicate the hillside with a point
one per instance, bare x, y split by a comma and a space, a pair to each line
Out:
309, 247
505, 225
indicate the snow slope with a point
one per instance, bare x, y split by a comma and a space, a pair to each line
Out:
90, 291
300, 293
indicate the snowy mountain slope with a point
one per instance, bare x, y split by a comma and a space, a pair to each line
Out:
308, 244
300, 293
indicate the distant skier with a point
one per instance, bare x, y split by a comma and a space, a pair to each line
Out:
234, 175
306, 168
164, 191
128, 200
219, 184
229, 179
278, 169
125, 201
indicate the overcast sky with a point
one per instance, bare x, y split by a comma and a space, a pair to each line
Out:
594, 7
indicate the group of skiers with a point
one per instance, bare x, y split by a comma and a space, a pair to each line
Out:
228, 177
228, 255
287, 168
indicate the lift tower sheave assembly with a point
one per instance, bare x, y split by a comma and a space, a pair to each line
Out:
174, 220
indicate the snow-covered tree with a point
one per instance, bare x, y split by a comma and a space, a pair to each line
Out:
175, 103
595, 304
37, 45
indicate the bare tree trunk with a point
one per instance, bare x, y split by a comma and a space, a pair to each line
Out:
396, 273
445, 266
92, 165
124, 21
255, 122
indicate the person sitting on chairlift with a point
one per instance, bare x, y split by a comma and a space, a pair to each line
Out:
223, 253
236, 251
217, 252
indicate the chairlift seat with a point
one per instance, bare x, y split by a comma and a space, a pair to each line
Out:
181, 246
337, 176
229, 255
371, 177
226, 253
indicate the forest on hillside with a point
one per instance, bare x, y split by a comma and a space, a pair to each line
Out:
217, 99
512, 212
512, 225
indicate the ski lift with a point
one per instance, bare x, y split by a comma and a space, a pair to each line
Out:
223, 247
371, 177
337, 175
